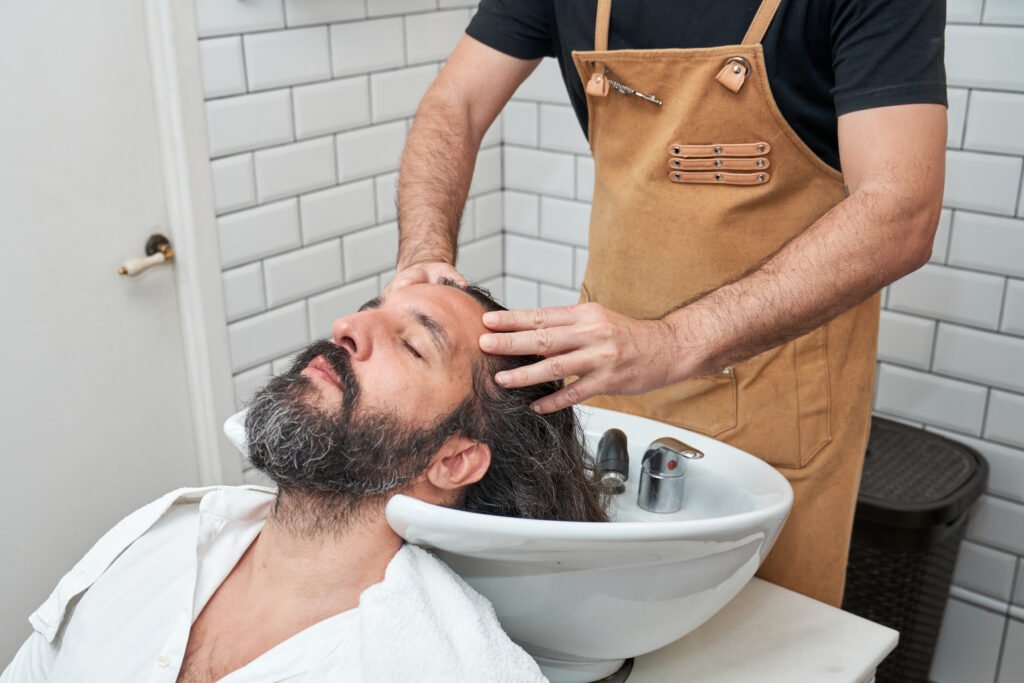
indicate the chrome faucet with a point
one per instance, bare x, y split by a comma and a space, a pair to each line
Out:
662, 475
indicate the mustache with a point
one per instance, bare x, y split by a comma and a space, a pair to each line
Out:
339, 360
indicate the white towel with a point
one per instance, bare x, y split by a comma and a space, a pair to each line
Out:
424, 623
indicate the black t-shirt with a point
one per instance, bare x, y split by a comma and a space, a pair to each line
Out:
824, 58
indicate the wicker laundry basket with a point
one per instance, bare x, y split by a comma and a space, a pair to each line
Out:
915, 493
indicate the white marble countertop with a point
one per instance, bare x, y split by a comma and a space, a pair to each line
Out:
769, 634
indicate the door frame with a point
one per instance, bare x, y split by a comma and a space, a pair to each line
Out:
173, 42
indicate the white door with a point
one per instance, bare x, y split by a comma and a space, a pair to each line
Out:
95, 412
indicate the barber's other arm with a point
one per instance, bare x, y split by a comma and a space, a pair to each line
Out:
440, 152
893, 160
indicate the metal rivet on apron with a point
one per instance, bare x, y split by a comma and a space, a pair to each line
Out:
760, 177
718, 163
726, 371
760, 163
675, 150
737, 69
718, 176
675, 176
760, 148
676, 162
718, 150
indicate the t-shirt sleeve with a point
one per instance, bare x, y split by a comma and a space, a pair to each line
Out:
519, 28
888, 52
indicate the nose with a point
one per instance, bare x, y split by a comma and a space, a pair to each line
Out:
355, 333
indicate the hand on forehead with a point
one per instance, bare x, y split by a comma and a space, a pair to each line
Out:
450, 316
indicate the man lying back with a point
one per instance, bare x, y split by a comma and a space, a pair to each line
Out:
309, 583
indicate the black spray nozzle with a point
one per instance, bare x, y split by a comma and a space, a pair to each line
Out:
613, 460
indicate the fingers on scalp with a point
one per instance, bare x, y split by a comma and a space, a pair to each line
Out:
564, 398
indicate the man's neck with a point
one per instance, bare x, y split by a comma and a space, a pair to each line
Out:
312, 559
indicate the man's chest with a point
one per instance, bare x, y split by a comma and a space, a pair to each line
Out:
226, 636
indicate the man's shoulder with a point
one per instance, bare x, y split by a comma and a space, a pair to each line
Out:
50, 615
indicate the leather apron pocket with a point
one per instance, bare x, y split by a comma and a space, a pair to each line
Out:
784, 401
702, 404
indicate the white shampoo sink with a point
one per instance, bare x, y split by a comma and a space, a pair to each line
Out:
581, 597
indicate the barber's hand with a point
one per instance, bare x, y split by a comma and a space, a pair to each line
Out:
610, 353
424, 272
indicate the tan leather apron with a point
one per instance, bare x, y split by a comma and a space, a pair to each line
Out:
690, 194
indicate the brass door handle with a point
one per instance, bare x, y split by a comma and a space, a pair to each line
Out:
158, 251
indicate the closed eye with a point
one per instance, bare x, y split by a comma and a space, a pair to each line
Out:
412, 349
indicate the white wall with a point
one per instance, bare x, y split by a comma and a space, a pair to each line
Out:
308, 104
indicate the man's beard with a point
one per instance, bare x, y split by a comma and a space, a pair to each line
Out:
346, 457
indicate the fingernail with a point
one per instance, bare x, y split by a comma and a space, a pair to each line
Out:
501, 378
535, 407
490, 318
488, 342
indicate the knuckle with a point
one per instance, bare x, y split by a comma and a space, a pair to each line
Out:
544, 341
557, 367
572, 393
539, 316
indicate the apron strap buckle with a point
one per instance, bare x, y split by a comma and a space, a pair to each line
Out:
734, 73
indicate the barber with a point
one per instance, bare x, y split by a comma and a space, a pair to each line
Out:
753, 192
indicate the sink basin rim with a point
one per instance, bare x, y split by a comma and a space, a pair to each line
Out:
405, 511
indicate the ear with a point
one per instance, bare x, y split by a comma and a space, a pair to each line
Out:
459, 463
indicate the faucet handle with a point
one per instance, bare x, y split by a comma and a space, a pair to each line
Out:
676, 446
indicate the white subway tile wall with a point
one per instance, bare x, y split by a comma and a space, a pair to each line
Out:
976, 348
370, 151
331, 106
337, 211
278, 58
301, 246
308, 105
293, 169
304, 12
234, 186
941, 244
223, 67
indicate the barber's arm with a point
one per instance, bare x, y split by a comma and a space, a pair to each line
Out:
440, 152
893, 160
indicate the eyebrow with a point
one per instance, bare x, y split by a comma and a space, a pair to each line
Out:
434, 329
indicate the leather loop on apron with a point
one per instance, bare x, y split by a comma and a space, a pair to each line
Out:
684, 203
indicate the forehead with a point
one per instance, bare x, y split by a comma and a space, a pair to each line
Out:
457, 313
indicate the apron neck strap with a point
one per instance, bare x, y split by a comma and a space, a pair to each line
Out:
758, 27
604, 13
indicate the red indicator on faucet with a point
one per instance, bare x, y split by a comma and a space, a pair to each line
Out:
672, 464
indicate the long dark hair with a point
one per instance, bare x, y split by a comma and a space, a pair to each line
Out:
540, 467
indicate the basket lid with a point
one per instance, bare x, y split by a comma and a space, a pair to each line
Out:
916, 479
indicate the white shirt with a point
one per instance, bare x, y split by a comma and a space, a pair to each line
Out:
125, 611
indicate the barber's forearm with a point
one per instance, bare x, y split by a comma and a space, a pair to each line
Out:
433, 181
870, 239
